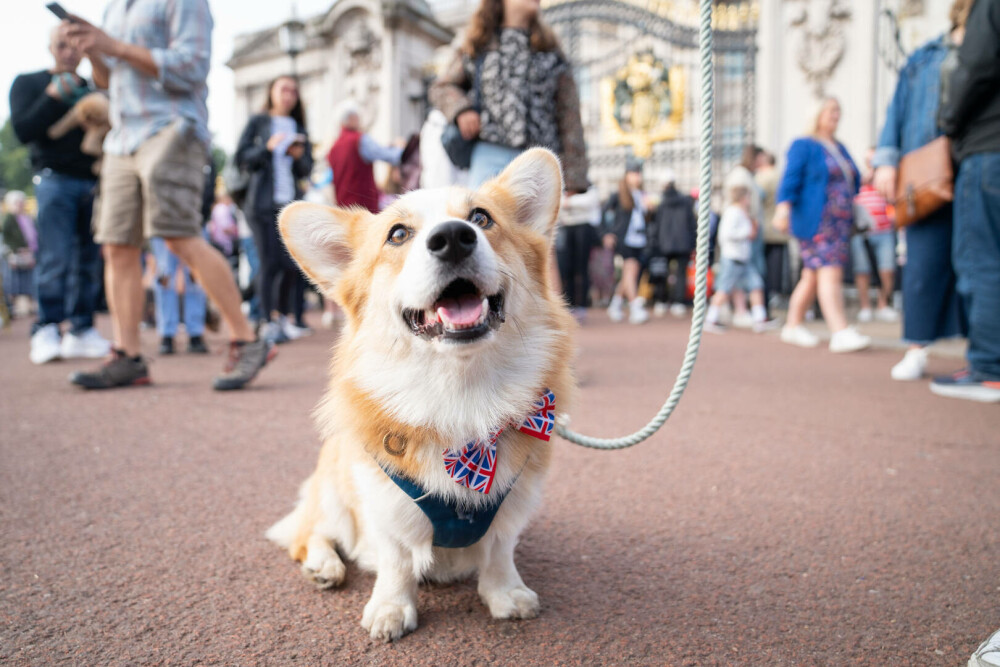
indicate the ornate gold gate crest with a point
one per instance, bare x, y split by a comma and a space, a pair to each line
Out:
643, 103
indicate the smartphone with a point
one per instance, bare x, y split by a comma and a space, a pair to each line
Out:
59, 11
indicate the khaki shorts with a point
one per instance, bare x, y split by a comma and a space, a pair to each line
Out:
156, 191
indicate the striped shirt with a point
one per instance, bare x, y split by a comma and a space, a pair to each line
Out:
878, 207
178, 34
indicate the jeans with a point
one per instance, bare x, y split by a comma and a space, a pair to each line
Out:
976, 256
68, 273
249, 250
167, 301
280, 284
488, 160
573, 246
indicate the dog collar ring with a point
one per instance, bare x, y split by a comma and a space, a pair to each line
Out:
399, 450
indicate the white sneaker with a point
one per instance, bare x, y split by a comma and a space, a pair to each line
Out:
659, 309
678, 310
616, 310
798, 335
45, 344
743, 320
765, 325
637, 313
912, 366
988, 653
865, 315
293, 331
848, 340
328, 319
88, 345
886, 314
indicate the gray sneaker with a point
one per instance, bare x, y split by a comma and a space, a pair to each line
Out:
119, 370
245, 361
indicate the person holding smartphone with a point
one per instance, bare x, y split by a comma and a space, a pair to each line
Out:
153, 57
274, 148
68, 260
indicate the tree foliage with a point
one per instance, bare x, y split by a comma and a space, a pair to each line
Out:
15, 164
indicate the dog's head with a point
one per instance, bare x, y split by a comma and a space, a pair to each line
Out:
442, 279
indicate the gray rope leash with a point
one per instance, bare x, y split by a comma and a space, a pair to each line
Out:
701, 261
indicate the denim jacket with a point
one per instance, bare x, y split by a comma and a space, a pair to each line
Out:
910, 121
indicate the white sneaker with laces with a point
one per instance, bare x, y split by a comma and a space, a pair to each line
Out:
912, 366
45, 344
616, 309
798, 335
88, 345
637, 313
678, 310
886, 314
988, 653
848, 340
659, 309
865, 315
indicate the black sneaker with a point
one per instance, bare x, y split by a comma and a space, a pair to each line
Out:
196, 345
167, 345
119, 370
245, 361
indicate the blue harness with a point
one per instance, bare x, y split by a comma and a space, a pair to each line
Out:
454, 528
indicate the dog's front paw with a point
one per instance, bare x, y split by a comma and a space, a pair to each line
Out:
388, 621
328, 574
517, 602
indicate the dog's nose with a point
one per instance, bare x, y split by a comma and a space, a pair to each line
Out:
452, 242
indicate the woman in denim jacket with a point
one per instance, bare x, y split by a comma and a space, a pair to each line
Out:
931, 309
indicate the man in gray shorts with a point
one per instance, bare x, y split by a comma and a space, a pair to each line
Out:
153, 57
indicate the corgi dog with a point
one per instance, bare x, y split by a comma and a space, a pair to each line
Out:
445, 380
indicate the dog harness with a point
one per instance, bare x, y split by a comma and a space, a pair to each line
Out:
474, 466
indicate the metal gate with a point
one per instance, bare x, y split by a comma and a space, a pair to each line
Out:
636, 65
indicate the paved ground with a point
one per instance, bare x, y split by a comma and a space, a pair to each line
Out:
798, 509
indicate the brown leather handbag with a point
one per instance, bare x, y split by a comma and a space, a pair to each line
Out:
925, 182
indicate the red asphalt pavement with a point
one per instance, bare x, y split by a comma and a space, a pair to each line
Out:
799, 508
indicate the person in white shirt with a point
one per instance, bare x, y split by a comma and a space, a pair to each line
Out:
737, 230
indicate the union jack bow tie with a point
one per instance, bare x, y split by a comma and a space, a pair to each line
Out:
476, 464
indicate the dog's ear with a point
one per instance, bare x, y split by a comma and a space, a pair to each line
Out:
535, 181
318, 237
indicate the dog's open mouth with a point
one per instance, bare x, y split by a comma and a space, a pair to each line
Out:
461, 313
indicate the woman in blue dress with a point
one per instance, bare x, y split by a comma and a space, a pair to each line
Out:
815, 200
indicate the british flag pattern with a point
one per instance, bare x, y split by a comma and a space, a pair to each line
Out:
475, 465
540, 423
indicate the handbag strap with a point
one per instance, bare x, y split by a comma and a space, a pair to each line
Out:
834, 151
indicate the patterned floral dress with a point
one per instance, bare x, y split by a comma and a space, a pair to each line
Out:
832, 243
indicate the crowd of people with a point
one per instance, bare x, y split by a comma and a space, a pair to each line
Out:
795, 232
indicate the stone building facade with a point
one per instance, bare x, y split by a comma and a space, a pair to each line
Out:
774, 61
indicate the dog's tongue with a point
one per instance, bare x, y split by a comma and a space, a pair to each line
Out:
460, 311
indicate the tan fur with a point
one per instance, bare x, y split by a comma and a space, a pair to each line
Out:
90, 113
349, 259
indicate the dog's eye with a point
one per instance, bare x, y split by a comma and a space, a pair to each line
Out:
399, 235
481, 218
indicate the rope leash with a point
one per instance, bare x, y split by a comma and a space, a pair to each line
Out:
701, 260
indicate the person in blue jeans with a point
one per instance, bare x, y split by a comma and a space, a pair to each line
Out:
970, 115
68, 265
931, 305
168, 301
